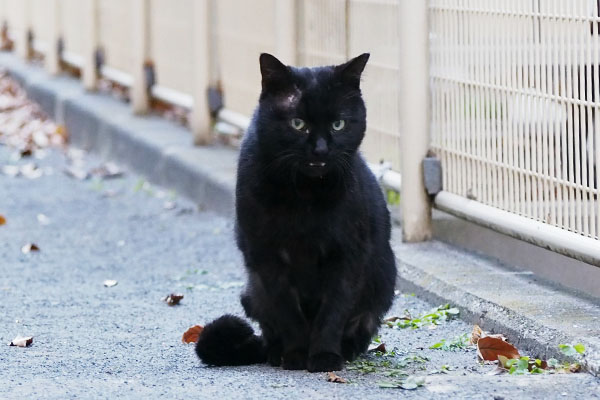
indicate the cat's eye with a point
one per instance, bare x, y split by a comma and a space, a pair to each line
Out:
338, 125
298, 124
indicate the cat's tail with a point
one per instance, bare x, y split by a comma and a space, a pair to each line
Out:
229, 340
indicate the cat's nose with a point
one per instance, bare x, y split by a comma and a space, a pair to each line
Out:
321, 148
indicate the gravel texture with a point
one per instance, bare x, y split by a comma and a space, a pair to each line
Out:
92, 341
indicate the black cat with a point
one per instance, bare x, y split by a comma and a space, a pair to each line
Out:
312, 225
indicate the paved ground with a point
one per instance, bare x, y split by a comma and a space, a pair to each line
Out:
123, 342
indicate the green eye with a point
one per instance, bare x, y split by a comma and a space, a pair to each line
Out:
338, 125
298, 124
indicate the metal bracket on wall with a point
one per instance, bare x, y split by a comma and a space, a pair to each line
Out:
215, 100
432, 175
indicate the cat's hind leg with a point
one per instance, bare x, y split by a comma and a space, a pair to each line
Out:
358, 334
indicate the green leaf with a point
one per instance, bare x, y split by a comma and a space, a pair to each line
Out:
579, 348
510, 363
523, 364
388, 385
437, 345
553, 363
412, 382
503, 361
567, 349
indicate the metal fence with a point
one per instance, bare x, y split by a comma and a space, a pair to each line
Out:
515, 101
504, 92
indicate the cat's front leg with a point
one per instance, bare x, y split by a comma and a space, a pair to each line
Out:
275, 305
325, 350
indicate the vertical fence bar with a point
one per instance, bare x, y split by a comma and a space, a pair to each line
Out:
89, 26
200, 118
140, 100
413, 37
22, 43
51, 59
286, 31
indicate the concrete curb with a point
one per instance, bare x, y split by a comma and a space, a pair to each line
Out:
536, 317
160, 150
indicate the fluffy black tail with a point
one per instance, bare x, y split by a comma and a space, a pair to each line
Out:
229, 340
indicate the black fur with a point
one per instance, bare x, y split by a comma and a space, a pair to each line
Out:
229, 340
312, 223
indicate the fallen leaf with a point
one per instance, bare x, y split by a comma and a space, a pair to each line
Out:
332, 377
413, 382
76, 173
31, 171
476, 334
489, 348
575, 367
29, 247
11, 170
22, 341
107, 171
407, 317
192, 334
2, 220
110, 283
375, 347
173, 299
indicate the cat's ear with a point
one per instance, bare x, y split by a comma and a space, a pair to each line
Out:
351, 71
275, 75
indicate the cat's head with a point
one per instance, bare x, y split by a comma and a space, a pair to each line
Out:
311, 120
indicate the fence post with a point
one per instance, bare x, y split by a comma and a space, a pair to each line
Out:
89, 27
23, 45
286, 31
414, 117
140, 100
200, 118
51, 60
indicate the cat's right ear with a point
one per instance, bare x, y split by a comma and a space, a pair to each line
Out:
275, 75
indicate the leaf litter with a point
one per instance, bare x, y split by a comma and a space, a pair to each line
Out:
172, 299
192, 334
110, 283
22, 341
332, 377
29, 247
25, 127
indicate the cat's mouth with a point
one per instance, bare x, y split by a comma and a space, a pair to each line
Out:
317, 164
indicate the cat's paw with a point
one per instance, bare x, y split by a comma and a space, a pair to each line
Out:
325, 362
295, 359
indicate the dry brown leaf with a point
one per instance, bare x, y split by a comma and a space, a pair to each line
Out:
332, 377
406, 317
476, 334
375, 347
29, 247
489, 348
192, 335
575, 367
2, 220
110, 283
173, 299
22, 341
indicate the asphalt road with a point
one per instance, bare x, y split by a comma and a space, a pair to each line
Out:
92, 341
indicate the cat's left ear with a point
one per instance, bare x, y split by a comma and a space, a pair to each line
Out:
351, 71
